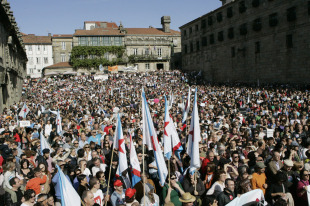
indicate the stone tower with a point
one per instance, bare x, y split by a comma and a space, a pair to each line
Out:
165, 22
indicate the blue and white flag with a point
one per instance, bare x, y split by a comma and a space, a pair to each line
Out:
186, 109
151, 140
69, 197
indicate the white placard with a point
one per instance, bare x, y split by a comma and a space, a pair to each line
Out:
203, 104
270, 132
24, 123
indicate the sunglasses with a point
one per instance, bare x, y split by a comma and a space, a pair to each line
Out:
76, 143
306, 175
86, 147
236, 157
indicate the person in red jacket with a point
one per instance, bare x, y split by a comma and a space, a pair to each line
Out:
35, 183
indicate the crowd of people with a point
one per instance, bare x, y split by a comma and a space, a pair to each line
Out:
252, 137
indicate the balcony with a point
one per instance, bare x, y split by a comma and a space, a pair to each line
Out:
141, 58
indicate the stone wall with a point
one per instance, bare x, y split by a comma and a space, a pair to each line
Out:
12, 58
274, 48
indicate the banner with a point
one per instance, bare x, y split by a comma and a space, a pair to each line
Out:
113, 69
24, 123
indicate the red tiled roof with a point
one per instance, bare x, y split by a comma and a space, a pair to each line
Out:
97, 32
60, 65
109, 24
33, 39
62, 35
151, 31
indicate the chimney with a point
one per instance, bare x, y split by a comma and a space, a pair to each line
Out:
49, 34
165, 22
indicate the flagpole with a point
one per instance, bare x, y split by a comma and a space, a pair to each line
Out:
143, 172
105, 202
169, 172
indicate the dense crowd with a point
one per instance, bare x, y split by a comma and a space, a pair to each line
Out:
251, 138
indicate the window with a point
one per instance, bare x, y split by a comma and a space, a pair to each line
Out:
204, 41
273, 19
257, 24
203, 24
291, 14
45, 60
243, 29
106, 55
117, 41
95, 41
30, 60
191, 47
190, 30
44, 47
196, 27
210, 20
257, 47
255, 3
106, 41
197, 46
83, 41
231, 33
220, 36
242, 7
38, 60
185, 49
62, 57
135, 51
233, 51
63, 45
147, 66
184, 33
219, 17
29, 48
147, 51
38, 48
308, 7
159, 52
31, 70
289, 41
211, 38
229, 12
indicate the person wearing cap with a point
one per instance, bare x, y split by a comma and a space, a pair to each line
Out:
290, 174
130, 197
118, 196
187, 199
259, 178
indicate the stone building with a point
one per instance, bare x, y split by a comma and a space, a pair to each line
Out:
147, 48
62, 46
13, 58
250, 41
39, 53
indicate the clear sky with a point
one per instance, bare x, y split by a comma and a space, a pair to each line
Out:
41, 17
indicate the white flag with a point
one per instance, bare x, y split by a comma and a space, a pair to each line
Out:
194, 137
24, 111
58, 124
44, 144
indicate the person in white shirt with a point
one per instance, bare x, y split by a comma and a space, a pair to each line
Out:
94, 186
84, 169
97, 166
48, 129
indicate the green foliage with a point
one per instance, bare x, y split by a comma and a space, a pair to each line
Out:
93, 56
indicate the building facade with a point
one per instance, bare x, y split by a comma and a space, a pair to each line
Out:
147, 48
62, 47
250, 41
39, 52
13, 58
